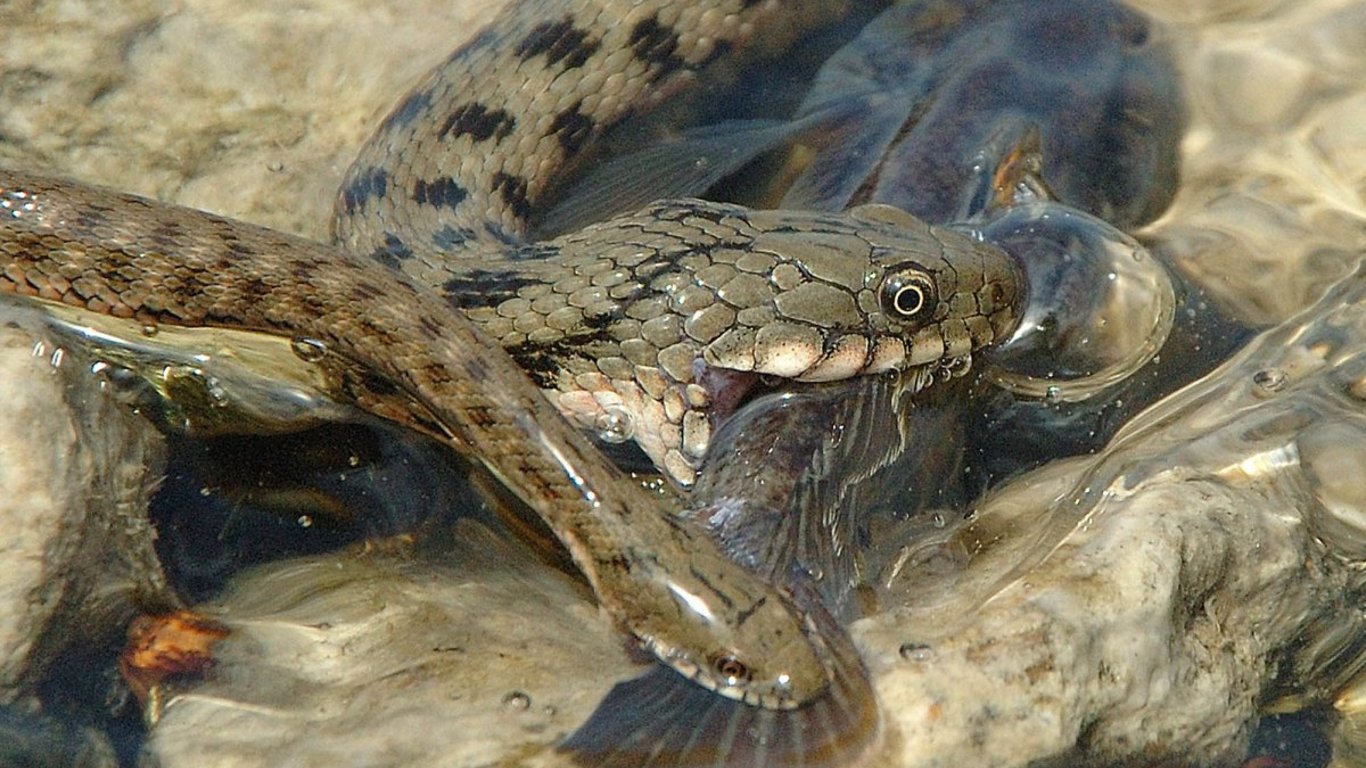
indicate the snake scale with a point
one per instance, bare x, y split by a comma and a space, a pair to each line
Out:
446, 169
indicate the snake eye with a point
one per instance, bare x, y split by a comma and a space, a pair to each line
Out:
909, 293
731, 669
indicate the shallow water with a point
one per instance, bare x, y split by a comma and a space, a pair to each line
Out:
200, 106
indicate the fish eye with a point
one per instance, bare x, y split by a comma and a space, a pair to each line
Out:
909, 293
731, 669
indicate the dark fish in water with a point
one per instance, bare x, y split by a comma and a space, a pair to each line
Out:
1096, 78
900, 115
792, 480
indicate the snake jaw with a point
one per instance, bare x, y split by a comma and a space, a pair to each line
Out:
726, 674
848, 355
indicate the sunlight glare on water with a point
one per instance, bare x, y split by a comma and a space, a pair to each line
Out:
1273, 199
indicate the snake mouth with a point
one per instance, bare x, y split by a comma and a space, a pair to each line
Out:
728, 676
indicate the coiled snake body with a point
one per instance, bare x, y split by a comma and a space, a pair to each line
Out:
908, 296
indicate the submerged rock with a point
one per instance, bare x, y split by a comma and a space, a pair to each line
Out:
466, 651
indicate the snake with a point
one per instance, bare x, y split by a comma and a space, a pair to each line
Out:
448, 167
654, 337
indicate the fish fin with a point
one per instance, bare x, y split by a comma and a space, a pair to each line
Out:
755, 535
854, 137
681, 167
1007, 171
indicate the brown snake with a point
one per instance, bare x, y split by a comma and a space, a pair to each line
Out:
396, 349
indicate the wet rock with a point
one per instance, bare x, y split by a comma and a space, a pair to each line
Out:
464, 651
77, 552
1140, 605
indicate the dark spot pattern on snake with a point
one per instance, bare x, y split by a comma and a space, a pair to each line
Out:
304, 271
378, 384
429, 327
544, 361
534, 252
730, 604
442, 192
255, 289
543, 370
513, 191
477, 367
478, 122
372, 184
364, 291
167, 235
572, 128
559, 41
450, 238
484, 287
91, 218
656, 44
413, 106
500, 235
393, 253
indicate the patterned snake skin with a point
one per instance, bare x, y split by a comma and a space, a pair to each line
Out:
648, 330
646, 327
395, 348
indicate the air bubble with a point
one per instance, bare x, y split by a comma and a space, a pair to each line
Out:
1269, 381
217, 393
615, 425
916, 652
516, 701
308, 350
117, 379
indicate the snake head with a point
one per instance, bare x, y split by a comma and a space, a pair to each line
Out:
870, 290
936, 295
736, 635
765, 660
